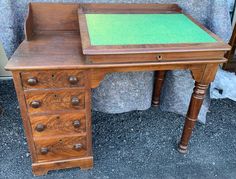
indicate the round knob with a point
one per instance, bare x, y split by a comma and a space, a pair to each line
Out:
32, 81
44, 150
75, 101
35, 104
76, 123
78, 146
73, 80
40, 127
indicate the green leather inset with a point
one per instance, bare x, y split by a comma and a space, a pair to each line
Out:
128, 29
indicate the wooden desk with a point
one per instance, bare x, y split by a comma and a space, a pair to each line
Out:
54, 70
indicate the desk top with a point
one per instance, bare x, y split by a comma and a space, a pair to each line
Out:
128, 29
61, 41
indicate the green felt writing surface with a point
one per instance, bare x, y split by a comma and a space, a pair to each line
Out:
128, 29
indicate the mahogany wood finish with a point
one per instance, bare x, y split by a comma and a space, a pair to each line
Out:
134, 8
158, 83
60, 148
28, 26
90, 50
202, 81
153, 57
53, 78
42, 168
54, 17
55, 100
58, 124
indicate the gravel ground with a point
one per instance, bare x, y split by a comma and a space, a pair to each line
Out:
138, 144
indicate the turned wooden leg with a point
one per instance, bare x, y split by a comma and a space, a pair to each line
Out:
159, 79
192, 115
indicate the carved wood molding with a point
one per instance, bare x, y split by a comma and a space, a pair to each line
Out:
199, 90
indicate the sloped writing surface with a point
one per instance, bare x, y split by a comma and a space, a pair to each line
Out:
137, 29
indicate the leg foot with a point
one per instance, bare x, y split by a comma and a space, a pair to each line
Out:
159, 79
182, 149
39, 172
155, 103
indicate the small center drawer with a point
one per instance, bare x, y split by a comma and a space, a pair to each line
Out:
54, 100
154, 57
60, 148
53, 79
56, 125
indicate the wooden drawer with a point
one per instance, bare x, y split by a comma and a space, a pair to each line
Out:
154, 57
54, 100
53, 79
60, 148
58, 124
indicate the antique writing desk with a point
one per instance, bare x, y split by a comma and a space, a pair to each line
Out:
68, 50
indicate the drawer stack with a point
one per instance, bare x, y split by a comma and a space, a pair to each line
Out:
58, 110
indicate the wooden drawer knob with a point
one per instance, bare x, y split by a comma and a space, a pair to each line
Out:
75, 101
32, 81
73, 80
35, 104
78, 146
44, 150
40, 127
76, 123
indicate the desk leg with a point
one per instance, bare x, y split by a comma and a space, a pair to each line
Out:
159, 79
203, 76
192, 115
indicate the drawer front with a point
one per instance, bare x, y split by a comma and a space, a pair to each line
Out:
56, 125
61, 148
53, 79
153, 57
55, 100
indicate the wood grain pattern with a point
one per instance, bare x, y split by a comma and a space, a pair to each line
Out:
191, 118
98, 74
203, 78
159, 48
58, 124
129, 8
52, 52
57, 49
24, 115
28, 25
53, 79
60, 148
55, 100
55, 17
88, 108
158, 83
160, 57
42, 168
